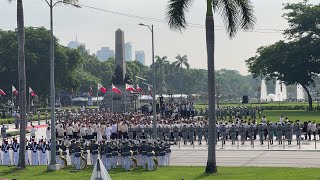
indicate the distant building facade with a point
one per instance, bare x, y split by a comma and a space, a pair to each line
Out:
75, 44
105, 53
128, 51
140, 56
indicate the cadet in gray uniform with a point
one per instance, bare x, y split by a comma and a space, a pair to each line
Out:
206, 132
243, 133
167, 132
251, 132
160, 132
233, 133
108, 152
223, 132
147, 132
139, 132
176, 134
279, 133
199, 133
297, 131
77, 155
271, 130
289, 133
261, 132
191, 134
184, 132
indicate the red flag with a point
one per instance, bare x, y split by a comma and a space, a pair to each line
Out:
91, 91
116, 90
101, 88
149, 90
31, 92
130, 88
14, 91
2, 93
139, 89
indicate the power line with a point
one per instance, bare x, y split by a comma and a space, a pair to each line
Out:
194, 25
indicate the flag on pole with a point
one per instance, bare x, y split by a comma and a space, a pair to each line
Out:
139, 89
91, 91
31, 92
14, 91
101, 88
149, 90
116, 90
2, 93
130, 88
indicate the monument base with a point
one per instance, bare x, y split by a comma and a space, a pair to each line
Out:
53, 167
120, 102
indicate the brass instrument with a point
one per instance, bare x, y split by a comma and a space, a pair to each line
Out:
155, 161
83, 162
134, 163
64, 161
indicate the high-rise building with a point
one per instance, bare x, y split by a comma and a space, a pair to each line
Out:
140, 56
75, 44
105, 53
128, 51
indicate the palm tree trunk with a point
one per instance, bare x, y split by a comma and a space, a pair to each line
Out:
22, 83
211, 161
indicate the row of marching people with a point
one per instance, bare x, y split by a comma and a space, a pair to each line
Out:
124, 153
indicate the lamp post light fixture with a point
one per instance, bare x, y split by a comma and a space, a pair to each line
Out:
154, 121
53, 165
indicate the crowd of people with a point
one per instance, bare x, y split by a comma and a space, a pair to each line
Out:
116, 137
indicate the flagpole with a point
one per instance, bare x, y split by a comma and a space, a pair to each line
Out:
111, 100
29, 108
97, 100
12, 101
125, 101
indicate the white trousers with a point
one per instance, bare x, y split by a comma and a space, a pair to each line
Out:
43, 158
35, 158
26, 157
168, 158
108, 162
6, 158
150, 163
77, 162
114, 161
127, 163
94, 158
15, 156
72, 159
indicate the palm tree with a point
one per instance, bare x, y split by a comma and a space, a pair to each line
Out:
179, 65
161, 62
236, 14
22, 83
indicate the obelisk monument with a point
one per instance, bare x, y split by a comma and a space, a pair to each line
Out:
120, 63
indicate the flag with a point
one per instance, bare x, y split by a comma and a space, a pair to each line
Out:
91, 91
101, 88
149, 90
14, 91
139, 89
2, 93
31, 92
130, 88
116, 90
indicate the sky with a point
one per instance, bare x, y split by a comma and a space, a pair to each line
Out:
97, 28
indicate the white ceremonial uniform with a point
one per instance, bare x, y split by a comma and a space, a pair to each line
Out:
15, 154
34, 154
6, 155
43, 154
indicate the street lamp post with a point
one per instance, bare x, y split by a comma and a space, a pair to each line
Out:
53, 165
154, 121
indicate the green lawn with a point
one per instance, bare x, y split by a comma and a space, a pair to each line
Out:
293, 115
164, 173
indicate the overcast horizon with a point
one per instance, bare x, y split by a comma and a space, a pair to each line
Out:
97, 29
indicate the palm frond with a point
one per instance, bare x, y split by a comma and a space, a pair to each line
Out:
229, 13
248, 19
176, 13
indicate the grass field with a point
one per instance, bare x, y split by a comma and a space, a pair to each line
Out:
166, 173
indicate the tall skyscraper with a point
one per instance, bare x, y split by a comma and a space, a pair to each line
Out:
140, 56
105, 53
75, 44
128, 51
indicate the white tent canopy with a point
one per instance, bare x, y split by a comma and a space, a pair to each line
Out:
99, 172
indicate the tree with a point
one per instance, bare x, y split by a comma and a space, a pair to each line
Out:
181, 60
237, 14
161, 64
297, 60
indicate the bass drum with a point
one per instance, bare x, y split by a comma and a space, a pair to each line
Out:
134, 164
83, 162
63, 162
